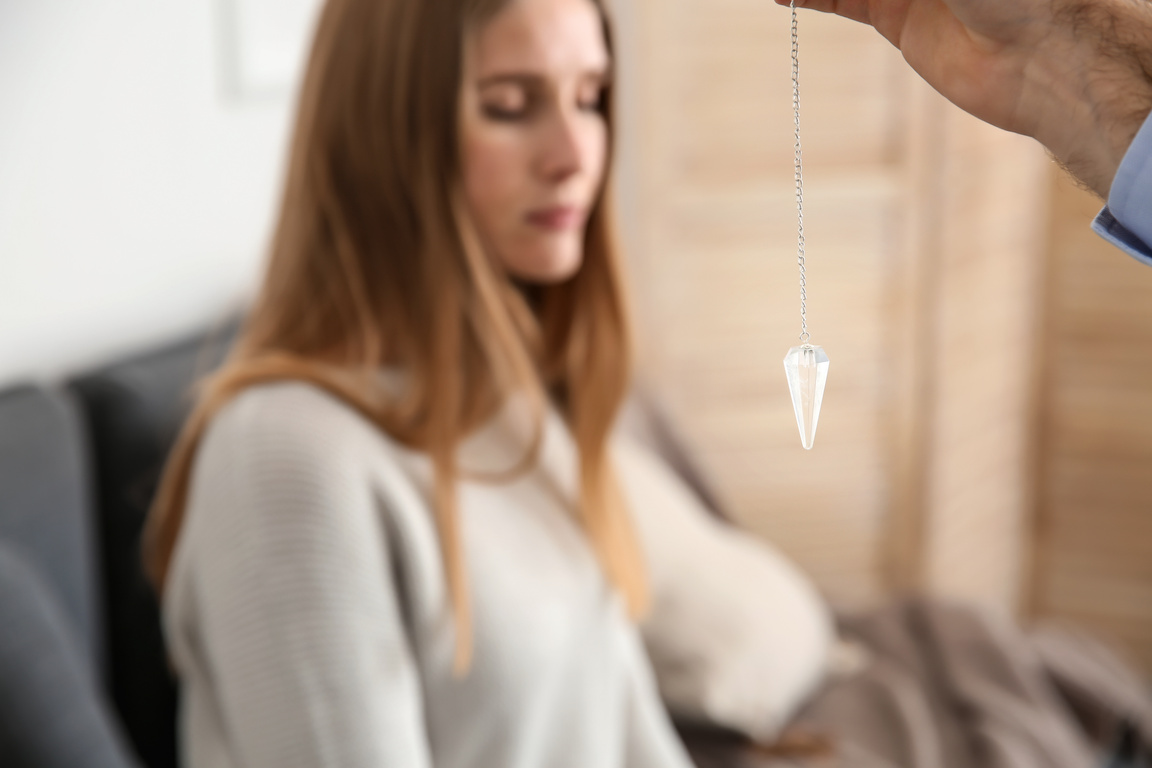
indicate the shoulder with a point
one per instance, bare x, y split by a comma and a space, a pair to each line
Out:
289, 417
287, 470
289, 441
282, 509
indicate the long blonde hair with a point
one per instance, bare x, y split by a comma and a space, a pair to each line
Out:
375, 262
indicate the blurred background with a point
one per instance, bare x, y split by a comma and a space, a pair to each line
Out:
987, 428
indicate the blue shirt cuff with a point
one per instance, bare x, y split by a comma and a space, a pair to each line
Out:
1114, 232
1127, 219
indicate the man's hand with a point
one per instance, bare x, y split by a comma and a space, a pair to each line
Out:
1074, 74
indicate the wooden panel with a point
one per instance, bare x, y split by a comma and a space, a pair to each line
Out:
715, 263
1094, 556
991, 231
727, 302
923, 240
721, 93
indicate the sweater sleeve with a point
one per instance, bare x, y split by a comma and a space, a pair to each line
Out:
298, 616
651, 740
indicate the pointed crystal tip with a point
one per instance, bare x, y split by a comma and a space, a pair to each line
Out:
807, 369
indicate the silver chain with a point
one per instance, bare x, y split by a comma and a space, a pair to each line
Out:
804, 337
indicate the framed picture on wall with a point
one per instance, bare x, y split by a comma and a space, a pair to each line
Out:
264, 45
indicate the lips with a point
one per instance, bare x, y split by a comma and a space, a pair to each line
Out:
558, 218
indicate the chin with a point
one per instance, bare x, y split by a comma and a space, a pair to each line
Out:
548, 267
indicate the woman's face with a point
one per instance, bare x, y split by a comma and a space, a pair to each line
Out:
534, 140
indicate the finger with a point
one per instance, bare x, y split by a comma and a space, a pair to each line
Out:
857, 10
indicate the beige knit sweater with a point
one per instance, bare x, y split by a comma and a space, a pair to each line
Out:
308, 619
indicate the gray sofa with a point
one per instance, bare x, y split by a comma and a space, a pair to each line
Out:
78, 463
83, 675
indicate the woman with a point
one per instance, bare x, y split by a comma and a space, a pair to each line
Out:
390, 534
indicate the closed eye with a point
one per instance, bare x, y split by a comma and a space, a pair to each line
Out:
506, 100
594, 100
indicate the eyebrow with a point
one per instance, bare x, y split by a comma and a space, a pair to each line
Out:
530, 78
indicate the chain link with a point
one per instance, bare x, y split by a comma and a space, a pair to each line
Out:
804, 336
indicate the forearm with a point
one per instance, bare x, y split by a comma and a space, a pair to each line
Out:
1090, 87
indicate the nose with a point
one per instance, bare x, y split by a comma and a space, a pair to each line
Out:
564, 147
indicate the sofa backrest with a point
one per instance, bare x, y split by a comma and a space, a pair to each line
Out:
46, 508
133, 410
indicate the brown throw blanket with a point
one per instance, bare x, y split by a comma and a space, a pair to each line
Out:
946, 686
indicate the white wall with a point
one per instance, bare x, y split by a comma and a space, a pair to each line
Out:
136, 190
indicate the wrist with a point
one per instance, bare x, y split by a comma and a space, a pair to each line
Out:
1093, 86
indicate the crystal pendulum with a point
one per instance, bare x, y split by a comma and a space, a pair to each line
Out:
806, 365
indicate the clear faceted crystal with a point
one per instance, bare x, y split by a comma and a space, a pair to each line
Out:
807, 369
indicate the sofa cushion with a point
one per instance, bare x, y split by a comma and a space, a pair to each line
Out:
52, 714
134, 409
45, 506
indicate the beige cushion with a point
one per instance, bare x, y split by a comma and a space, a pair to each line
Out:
737, 635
